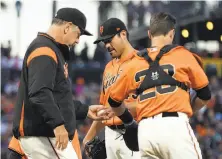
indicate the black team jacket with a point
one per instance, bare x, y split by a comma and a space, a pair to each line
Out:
44, 96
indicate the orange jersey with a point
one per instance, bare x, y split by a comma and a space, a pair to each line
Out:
180, 63
15, 146
111, 74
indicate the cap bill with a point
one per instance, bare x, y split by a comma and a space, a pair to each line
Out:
103, 38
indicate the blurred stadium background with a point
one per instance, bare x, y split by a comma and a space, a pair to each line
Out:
199, 29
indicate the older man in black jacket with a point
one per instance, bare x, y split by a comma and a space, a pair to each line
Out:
45, 113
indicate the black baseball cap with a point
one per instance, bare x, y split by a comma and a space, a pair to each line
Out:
110, 28
75, 16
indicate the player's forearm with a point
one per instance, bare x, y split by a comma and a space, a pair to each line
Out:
95, 128
118, 110
123, 113
198, 104
200, 98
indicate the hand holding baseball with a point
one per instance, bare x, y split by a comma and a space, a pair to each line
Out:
106, 112
99, 112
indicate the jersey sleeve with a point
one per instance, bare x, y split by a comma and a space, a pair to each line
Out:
119, 90
42, 66
196, 73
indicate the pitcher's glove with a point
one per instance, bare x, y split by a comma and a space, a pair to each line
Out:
131, 136
96, 149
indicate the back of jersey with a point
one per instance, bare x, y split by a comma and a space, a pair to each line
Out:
182, 66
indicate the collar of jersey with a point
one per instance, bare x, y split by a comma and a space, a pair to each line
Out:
126, 58
64, 48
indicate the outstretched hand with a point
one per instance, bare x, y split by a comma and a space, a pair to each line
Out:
100, 112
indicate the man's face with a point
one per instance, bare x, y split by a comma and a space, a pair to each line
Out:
115, 46
71, 34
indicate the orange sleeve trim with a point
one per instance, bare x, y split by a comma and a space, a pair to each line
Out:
21, 124
42, 51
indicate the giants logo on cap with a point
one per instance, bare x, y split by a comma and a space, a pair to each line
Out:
101, 29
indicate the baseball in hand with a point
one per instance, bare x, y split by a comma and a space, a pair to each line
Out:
100, 113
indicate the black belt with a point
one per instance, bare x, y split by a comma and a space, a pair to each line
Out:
117, 127
166, 114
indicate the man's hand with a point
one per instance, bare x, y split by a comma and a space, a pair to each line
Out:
105, 115
62, 137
